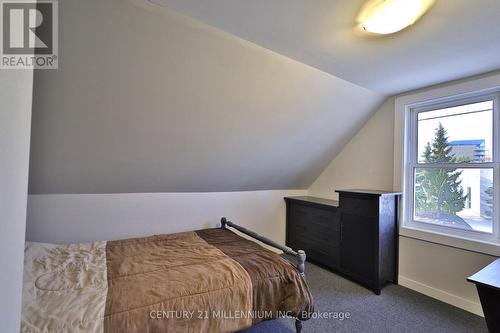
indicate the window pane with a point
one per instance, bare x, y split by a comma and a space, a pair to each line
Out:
457, 198
458, 134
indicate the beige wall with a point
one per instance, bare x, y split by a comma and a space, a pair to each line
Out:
15, 119
367, 161
441, 271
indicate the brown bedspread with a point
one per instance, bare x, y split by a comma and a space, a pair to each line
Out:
203, 281
277, 286
223, 281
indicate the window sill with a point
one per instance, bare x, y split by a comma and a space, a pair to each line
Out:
452, 241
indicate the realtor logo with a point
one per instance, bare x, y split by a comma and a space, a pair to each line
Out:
29, 34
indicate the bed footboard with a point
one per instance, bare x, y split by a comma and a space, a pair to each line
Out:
299, 254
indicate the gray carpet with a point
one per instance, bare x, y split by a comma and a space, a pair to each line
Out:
397, 309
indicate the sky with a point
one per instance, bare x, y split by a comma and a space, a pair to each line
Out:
466, 122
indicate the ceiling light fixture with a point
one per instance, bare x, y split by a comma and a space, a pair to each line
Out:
389, 16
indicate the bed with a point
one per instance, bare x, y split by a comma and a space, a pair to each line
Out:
210, 280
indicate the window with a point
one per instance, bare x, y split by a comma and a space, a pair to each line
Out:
452, 168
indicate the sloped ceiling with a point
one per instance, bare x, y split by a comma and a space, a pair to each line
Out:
149, 100
145, 100
455, 39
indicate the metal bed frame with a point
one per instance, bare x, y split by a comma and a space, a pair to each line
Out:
300, 255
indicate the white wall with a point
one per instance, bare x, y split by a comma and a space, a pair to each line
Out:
15, 119
65, 218
368, 161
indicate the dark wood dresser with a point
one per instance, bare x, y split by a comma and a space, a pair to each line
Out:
356, 237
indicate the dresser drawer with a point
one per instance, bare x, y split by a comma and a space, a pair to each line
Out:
323, 239
314, 225
314, 230
359, 206
327, 255
315, 217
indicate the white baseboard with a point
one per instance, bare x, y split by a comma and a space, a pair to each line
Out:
441, 295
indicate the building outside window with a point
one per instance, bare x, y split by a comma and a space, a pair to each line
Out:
469, 198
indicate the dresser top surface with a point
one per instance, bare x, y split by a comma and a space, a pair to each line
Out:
373, 192
320, 201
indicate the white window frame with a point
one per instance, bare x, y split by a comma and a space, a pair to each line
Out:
474, 240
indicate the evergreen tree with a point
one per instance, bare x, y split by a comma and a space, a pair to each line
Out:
421, 202
440, 149
439, 189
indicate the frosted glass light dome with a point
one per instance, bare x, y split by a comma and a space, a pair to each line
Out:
390, 16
